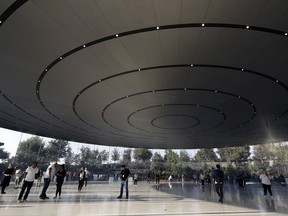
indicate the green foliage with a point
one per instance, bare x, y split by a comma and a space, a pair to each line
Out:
115, 156
234, 154
184, 156
205, 155
127, 156
172, 162
142, 154
158, 163
4, 154
30, 150
56, 149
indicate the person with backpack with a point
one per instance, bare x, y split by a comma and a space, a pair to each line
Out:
218, 176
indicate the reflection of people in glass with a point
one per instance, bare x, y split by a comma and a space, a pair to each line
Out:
266, 183
270, 206
124, 175
218, 176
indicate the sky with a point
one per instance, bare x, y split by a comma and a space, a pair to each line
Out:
11, 140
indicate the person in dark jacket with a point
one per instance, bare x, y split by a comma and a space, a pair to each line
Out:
218, 176
7, 177
60, 176
124, 175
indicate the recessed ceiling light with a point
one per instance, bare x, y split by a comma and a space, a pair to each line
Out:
84, 45
39, 81
157, 27
191, 65
139, 69
247, 27
60, 57
286, 34
277, 81
242, 69
116, 35
46, 69
203, 24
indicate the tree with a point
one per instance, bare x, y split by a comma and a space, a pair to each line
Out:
103, 156
158, 162
263, 154
4, 154
88, 157
56, 149
184, 156
127, 156
142, 154
30, 150
115, 155
234, 154
205, 155
172, 161
158, 159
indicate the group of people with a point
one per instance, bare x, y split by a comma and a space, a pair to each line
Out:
32, 173
218, 176
29, 176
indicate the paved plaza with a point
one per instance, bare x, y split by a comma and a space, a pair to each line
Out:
147, 199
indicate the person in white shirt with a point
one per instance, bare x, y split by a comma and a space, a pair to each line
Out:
28, 181
18, 175
266, 183
48, 176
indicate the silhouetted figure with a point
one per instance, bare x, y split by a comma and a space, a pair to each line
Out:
60, 176
124, 175
7, 177
218, 176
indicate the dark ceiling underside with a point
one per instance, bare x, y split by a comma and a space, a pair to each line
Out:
146, 73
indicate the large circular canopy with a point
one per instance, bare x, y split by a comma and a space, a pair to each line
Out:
146, 73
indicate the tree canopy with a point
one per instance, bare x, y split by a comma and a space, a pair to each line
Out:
142, 154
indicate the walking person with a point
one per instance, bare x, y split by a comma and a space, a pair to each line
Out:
157, 178
60, 176
87, 174
48, 176
218, 176
29, 178
266, 183
124, 175
18, 175
81, 179
7, 177
135, 179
